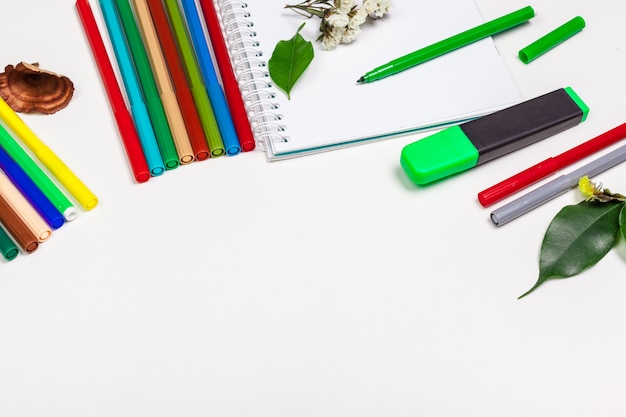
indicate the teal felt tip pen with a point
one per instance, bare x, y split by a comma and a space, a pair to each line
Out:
449, 44
462, 147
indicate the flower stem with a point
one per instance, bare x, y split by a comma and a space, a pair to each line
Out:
309, 9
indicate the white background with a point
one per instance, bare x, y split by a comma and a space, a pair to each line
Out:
320, 286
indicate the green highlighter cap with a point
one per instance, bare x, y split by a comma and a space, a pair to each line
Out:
439, 156
552, 39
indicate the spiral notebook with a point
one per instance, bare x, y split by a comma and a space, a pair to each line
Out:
328, 109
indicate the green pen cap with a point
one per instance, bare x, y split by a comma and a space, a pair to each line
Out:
552, 39
7, 247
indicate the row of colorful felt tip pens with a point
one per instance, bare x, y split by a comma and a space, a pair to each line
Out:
32, 205
178, 111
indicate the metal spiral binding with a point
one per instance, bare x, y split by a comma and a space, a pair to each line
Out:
256, 88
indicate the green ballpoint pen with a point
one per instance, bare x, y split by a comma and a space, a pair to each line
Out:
449, 44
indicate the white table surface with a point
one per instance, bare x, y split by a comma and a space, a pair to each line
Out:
320, 286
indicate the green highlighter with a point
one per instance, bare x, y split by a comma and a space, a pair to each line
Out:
462, 147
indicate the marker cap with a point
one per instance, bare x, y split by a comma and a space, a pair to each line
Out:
437, 156
552, 39
462, 147
8, 249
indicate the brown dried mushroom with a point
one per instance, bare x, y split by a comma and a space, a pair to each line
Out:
30, 89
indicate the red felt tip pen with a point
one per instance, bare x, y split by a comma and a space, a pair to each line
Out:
541, 170
125, 124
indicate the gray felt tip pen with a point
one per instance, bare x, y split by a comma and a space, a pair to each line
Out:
556, 187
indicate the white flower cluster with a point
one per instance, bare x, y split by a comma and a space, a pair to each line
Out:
342, 22
341, 19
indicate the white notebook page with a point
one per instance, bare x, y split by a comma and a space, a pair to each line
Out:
328, 109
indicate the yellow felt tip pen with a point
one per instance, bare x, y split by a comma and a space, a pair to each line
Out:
48, 158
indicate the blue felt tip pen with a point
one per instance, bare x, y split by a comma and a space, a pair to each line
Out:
138, 107
214, 88
37, 199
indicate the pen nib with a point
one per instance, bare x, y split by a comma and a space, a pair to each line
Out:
360, 80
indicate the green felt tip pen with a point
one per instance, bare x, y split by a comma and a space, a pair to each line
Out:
194, 78
37, 175
449, 44
165, 140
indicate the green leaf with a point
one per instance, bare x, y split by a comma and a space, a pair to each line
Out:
577, 238
289, 61
622, 222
